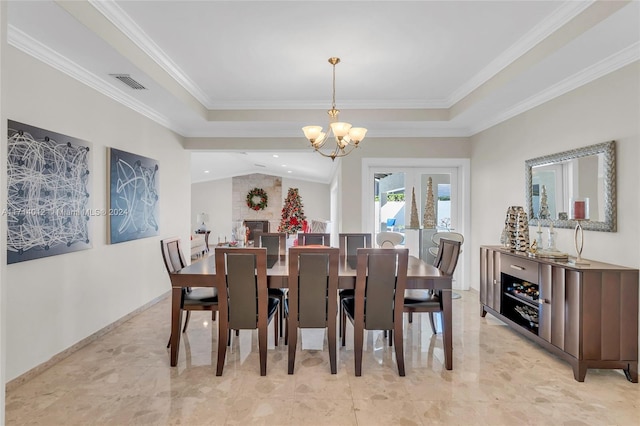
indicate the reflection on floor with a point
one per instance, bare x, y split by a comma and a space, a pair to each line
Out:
499, 378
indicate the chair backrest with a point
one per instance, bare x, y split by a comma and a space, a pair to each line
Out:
241, 279
447, 258
389, 239
380, 282
172, 254
455, 236
313, 285
274, 242
349, 243
314, 238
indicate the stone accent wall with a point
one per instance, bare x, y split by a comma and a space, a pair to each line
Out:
240, 187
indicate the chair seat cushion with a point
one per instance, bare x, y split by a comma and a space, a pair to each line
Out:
201, 296
421, 297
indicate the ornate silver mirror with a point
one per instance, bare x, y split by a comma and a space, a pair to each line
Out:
553, 180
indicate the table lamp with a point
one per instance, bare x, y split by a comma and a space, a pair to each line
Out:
202, 218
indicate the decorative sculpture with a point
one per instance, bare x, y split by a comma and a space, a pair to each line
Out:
429, 218
517, 226
414, 223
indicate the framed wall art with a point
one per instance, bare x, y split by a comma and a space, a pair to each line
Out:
48, 181
133, 196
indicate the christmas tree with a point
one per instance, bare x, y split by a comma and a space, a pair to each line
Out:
429, 218
293, 218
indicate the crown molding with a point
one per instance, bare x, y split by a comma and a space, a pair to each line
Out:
606, 66
123, 22
558, 18
22, 41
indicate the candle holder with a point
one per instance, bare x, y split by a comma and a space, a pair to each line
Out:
578, 238
579, 213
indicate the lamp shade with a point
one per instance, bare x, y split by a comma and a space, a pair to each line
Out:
312, 132
357, 134
202, 218
340, 129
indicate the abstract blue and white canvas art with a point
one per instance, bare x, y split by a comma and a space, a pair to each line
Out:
48, 193
133, 196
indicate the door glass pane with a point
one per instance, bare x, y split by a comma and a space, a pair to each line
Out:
389, 194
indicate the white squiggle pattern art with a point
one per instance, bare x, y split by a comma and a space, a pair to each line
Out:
134, 196
47, 203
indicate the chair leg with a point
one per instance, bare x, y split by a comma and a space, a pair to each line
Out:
340, 309
276, 328
223, 334
262, 346
331, 336
186, 321
358, 336
213, 315
390, 337
398, 338
433, 324
281, 312
344, 327
169, 342
410, 317
292, 331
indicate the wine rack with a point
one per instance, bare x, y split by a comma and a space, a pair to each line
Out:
520, 302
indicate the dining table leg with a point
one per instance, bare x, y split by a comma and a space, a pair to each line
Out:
447, 333
176, 321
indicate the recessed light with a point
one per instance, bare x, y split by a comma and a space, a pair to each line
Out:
206, 171
275, 156
284, 165
289, 171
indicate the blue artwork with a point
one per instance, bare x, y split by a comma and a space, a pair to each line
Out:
48, 199
133, 196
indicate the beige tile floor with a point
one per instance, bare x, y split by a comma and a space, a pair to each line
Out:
499, 378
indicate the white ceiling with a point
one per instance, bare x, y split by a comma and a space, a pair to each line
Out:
236, 76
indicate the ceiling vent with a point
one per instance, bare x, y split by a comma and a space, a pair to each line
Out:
126, 79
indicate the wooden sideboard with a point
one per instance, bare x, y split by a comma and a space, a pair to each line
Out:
586, 315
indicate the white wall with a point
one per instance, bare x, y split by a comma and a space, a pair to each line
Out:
212, 197
55, 302
606, 109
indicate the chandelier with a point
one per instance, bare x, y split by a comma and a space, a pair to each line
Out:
346, 137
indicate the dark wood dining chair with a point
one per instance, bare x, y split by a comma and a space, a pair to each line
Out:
193, 299
241, 278
313, 292
276, 245
379, 294
349, 243
430, 301
314, 239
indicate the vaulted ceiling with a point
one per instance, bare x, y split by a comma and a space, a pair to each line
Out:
252, 72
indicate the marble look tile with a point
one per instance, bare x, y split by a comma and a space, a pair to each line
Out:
499, 378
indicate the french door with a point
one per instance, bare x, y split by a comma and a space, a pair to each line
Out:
390, 190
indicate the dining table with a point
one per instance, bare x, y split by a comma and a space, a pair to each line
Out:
420, 275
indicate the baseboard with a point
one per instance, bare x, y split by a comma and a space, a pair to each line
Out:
18, 381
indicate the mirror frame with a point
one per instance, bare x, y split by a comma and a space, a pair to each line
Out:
608, 149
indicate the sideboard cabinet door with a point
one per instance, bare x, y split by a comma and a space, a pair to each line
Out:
490, 288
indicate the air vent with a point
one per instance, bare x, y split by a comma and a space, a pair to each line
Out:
126, 79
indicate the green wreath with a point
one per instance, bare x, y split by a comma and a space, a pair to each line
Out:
257, 192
